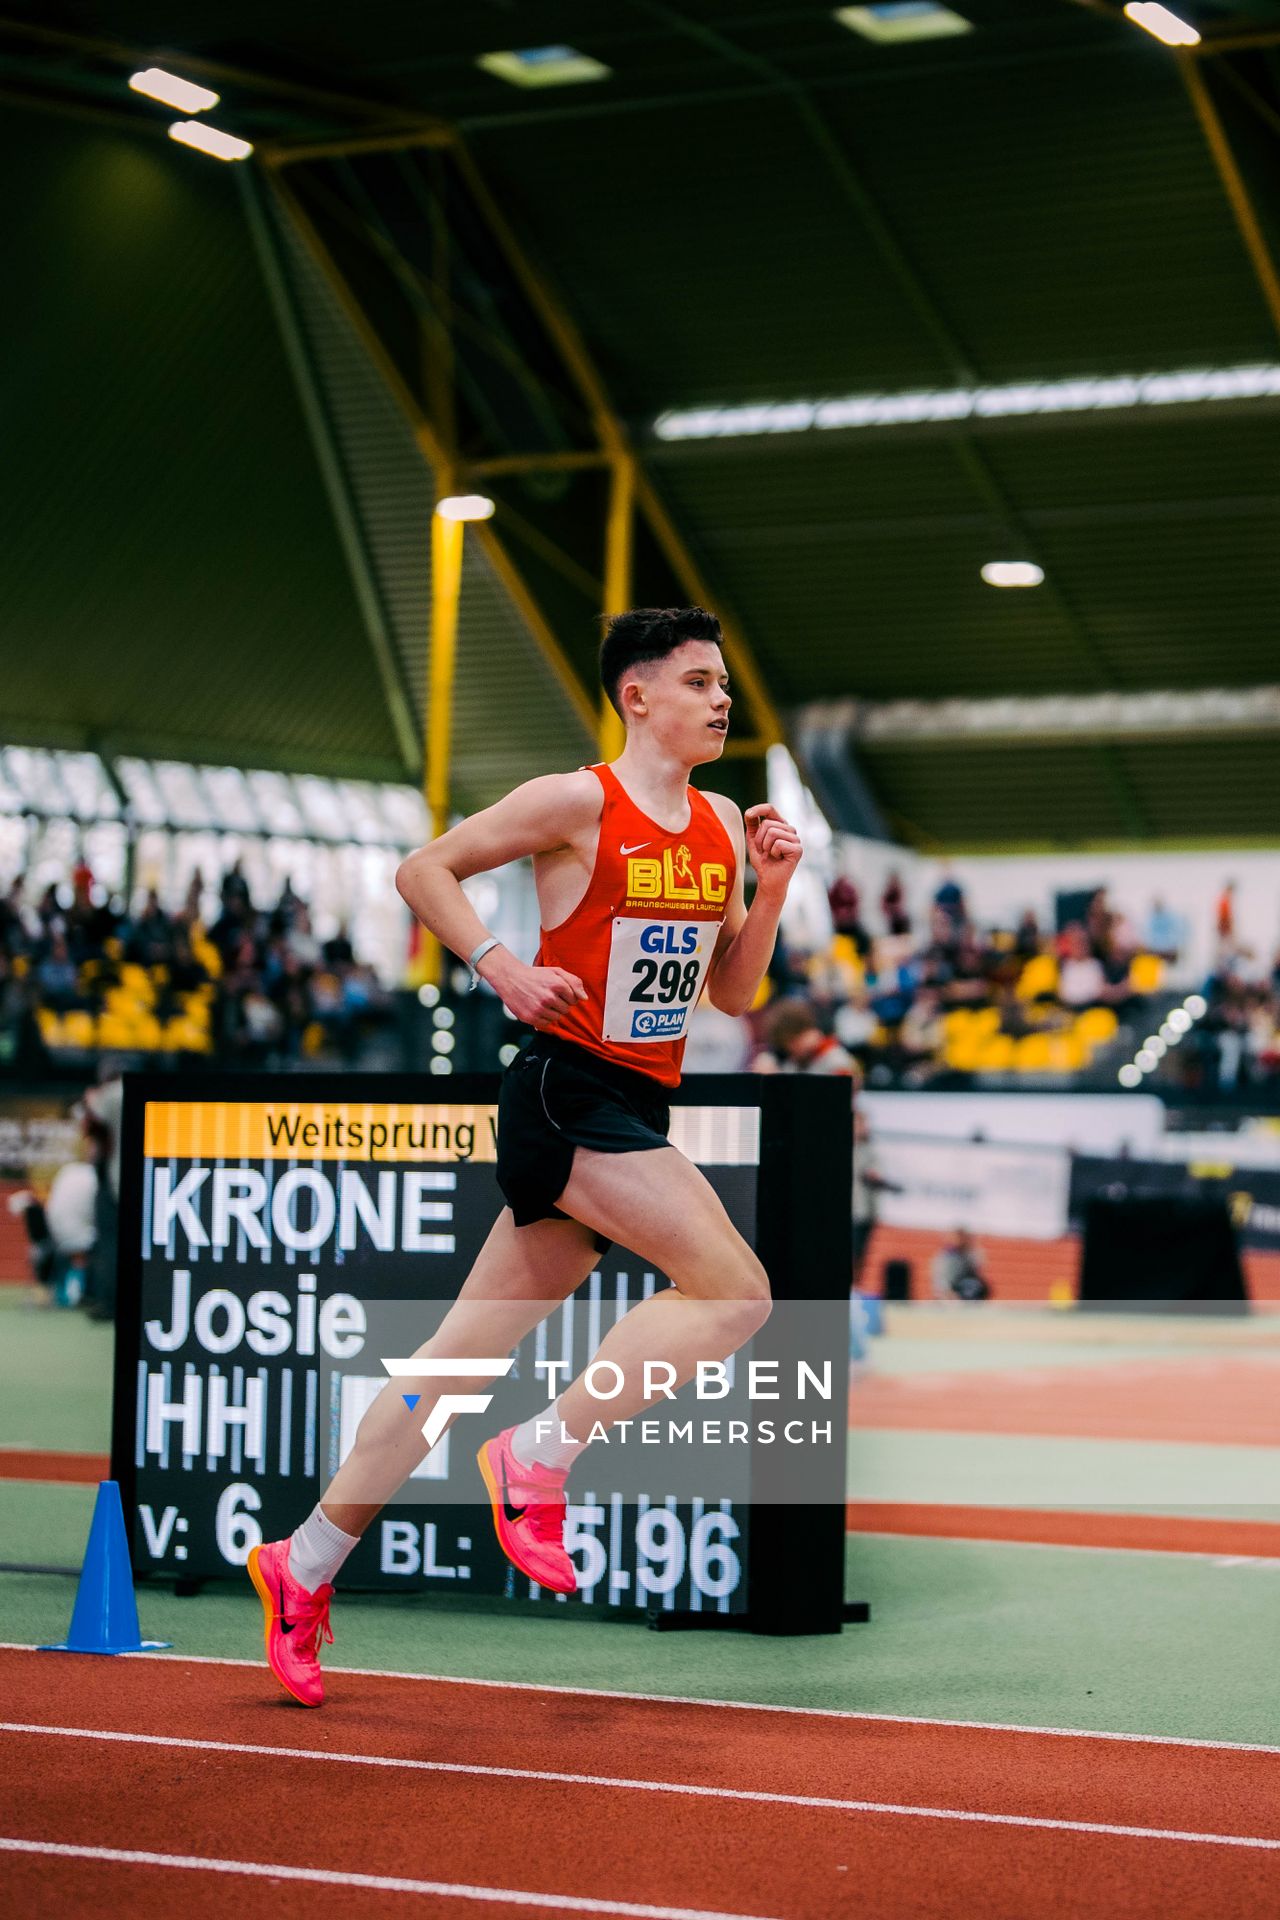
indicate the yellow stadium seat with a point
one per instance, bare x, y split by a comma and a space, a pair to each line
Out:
1031, 1054
1146, 972
50, 1026
996, 1054
206, 953
1066, 1052
1038, 977
138, 982
78, 1029
115, 1030
1094, 1029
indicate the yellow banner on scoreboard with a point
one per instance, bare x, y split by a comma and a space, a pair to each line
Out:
321, 1130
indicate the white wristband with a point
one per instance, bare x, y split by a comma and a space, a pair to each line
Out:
476, 956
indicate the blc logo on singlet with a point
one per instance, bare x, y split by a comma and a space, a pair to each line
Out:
672, 878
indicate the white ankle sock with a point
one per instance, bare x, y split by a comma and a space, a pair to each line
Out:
548, 1448
317, 1549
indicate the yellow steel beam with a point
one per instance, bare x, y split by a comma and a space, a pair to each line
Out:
1234, 187
1237, 42
614, 441
69, 109
619, 544
741, 660
561, 329
435, 454
579, 577
566, 460
446, 591
283, 153
367, 333
192, 64
553, 653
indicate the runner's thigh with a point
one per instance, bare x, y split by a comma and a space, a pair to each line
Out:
519, 1276
661, 1207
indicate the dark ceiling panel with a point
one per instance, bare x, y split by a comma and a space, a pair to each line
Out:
1049, 209
996, 795
169, 564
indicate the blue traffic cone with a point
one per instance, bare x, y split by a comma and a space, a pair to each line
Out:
105, 1617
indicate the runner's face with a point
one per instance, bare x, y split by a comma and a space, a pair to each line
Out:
687, 696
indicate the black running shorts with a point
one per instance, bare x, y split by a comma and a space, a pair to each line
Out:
555, 1097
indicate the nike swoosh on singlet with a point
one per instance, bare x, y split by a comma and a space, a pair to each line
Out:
637, 846
286, 1626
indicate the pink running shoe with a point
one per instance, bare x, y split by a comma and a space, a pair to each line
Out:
528, 1514
296, 1622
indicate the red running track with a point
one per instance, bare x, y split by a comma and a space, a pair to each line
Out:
942, 1829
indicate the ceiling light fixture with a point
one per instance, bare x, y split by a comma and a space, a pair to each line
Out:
465, 506
1159, 21
894, 21
544, 67
210, 140
1012, 573
1022, 399
172, 91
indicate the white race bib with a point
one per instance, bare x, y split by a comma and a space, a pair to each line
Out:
656, 972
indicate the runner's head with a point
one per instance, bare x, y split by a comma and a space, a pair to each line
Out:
663, 673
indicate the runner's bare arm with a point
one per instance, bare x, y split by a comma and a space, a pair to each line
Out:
747, 937
554, 811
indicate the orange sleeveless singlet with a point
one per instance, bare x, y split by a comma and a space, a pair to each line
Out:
642, 936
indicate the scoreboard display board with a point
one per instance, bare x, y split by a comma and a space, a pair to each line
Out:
279, 1234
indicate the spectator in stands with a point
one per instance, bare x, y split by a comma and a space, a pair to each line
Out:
1225, 914
959, 1269
845, 903
339, 952
151, 934
245, 988
56, 976
893, 905
868, 1184
1027, 939
71, 1211
949, 898
797, 1044
104, 1106
922, 1032
1165, 932
1081, 979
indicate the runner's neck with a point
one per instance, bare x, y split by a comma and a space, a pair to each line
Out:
656, 785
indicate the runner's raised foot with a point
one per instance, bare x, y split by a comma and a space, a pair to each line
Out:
296, 1622
528, 1514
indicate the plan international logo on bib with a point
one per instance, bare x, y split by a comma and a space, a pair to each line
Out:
654, 1023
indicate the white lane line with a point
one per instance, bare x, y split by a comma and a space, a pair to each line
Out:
757, 1796
375, 1882
696, 1700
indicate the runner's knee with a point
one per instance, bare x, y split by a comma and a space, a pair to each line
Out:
730, 1274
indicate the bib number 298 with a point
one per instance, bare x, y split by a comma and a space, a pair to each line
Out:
656, 971
666, 984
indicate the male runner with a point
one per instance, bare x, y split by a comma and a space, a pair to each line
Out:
583, 1155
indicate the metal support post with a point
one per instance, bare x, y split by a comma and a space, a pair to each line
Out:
618, 552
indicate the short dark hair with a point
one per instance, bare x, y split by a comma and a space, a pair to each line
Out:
649, 633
